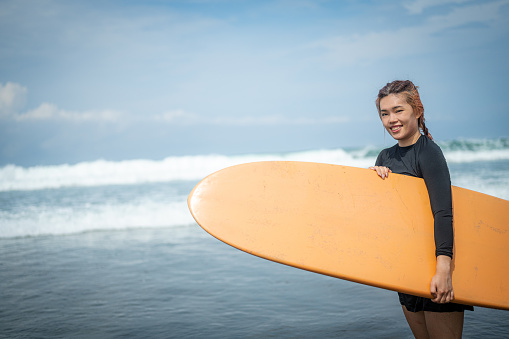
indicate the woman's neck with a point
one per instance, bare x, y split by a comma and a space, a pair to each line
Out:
410, 141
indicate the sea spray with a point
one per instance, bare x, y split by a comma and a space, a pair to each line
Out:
195, 167
130, 172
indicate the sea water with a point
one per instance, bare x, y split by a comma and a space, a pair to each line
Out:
109, 249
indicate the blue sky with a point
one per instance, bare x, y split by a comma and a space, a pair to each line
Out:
87, 80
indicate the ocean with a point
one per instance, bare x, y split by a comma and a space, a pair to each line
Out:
109, 249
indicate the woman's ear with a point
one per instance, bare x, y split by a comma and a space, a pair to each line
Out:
419, 114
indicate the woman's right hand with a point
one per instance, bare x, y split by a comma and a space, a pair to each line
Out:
382, 171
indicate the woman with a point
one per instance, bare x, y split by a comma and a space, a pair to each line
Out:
415, 154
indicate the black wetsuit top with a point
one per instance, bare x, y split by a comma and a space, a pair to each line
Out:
425, 159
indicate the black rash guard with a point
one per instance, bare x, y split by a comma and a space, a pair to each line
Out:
425, 159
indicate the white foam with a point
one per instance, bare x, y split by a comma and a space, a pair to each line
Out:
103, 172
58, 220
495, 184
472, 156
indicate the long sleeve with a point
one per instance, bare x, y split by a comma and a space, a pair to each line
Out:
435, 173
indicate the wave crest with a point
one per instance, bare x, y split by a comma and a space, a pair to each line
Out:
128, 172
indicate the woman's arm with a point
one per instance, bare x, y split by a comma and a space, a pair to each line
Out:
436, 176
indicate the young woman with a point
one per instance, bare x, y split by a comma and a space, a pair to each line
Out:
415, 154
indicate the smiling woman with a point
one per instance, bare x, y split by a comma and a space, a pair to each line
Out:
402, 115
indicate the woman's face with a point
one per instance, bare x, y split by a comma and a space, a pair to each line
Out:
399, 119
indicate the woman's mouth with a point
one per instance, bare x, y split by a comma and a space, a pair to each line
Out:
395, 129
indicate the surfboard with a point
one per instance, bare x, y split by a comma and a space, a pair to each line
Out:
348, 223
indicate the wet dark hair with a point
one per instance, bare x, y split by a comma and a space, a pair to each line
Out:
409, 90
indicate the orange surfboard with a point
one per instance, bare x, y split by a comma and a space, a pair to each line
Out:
348, 223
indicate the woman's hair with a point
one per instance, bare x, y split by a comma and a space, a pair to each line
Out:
409, 90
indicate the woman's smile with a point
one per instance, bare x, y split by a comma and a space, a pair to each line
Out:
395, 129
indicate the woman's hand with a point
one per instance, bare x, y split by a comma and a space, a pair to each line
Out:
382, 171
441, 283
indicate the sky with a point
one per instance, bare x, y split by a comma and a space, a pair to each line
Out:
118, 80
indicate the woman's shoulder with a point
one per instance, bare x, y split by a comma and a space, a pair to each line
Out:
390, 150
384, 155
429, 149
426, 144
386, 152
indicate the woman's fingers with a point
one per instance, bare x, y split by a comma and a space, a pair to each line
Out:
382, 171
441, 295
443, 298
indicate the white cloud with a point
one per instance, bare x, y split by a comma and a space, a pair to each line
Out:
47, 111
417, 6
177, 116
366, 48
182, 117
12, 99
424, 38
279, 120
485, 13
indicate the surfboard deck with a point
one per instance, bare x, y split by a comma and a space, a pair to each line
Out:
348, 223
